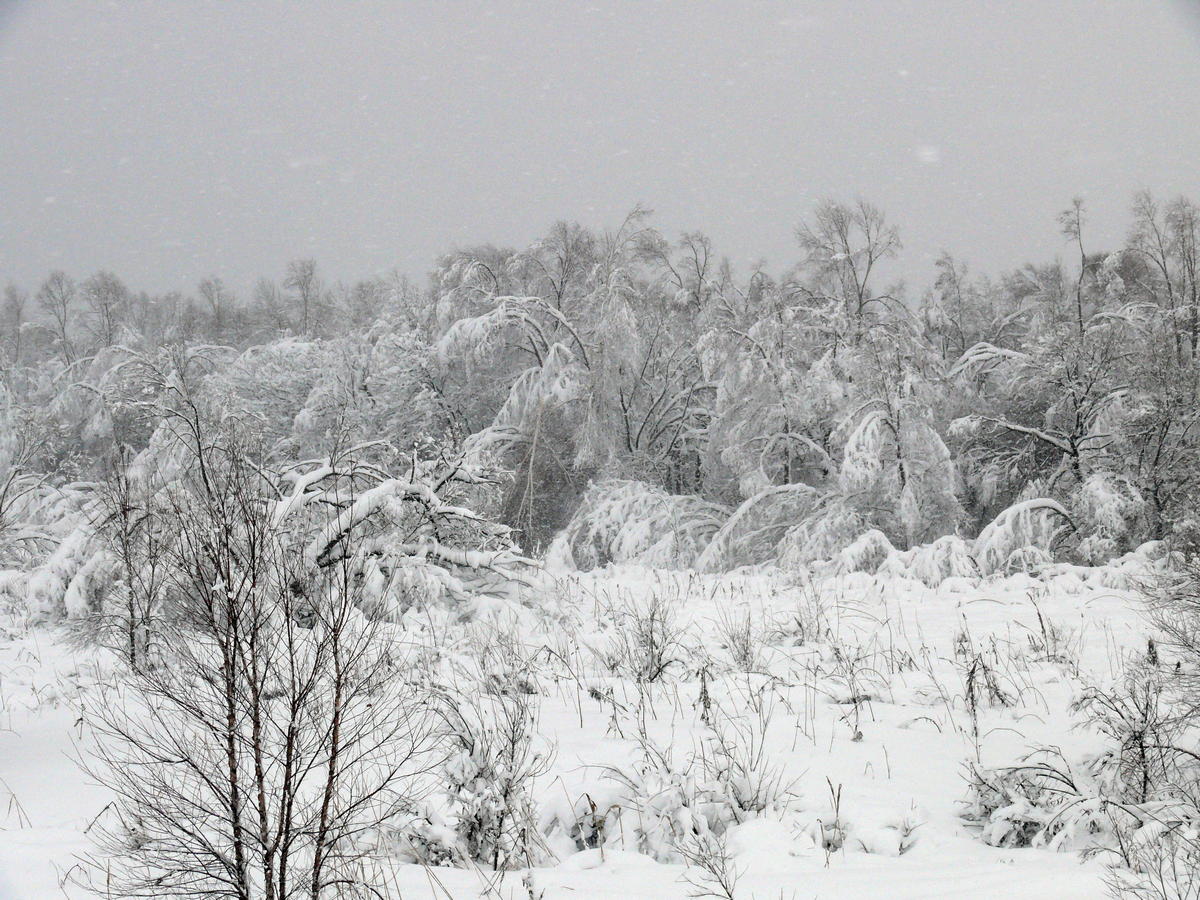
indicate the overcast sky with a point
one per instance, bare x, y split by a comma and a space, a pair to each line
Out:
172, 140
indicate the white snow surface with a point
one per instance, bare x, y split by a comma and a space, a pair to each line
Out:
851, 685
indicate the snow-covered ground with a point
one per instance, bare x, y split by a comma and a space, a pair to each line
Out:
811, 737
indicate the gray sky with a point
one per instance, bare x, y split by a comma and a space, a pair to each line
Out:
169, 140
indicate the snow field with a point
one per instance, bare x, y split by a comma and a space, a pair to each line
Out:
668, 735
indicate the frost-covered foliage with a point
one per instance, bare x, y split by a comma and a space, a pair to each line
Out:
380, 387
630, 522
820, 537
1114, 512
271, 383
1022, 538
1133, 801
948, 557
833, 463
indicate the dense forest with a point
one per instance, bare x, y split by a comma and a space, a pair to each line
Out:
643, 400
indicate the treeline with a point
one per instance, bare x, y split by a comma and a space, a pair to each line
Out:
633, 385
66, 319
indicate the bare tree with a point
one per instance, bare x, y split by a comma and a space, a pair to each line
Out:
269, 306
363, 302
218, 300
138, 532
1167, 243
57, 297
303, 279
107, 300
1183, 220
1071, 220
273, 731
844, 245
13, 312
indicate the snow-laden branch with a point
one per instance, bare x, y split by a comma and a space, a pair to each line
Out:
1031, 523
557, 380
301, 494
371, 501
724, 542
985, 355
1044, 436
528, 314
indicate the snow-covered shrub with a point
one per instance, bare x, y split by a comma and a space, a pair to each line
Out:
1153, 848
667, 802
589, 821
1141, 763
827, 530
499, 661
43, 524
1158, 855
49, 583
1146, 565
631, 521
736, 758
895, 456
872, 553
14, 586
423, 838
753, 531
866, 553
1111, 511
947, 557
1020, 807
410, 540
864, 450
412, 529
679, 806
557, 381
711, 871
1002, 546
1134, 799
89, 588
1027, 560
1148, 772
489, 773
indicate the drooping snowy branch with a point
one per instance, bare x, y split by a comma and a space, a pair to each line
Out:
628, 521
1035, 523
